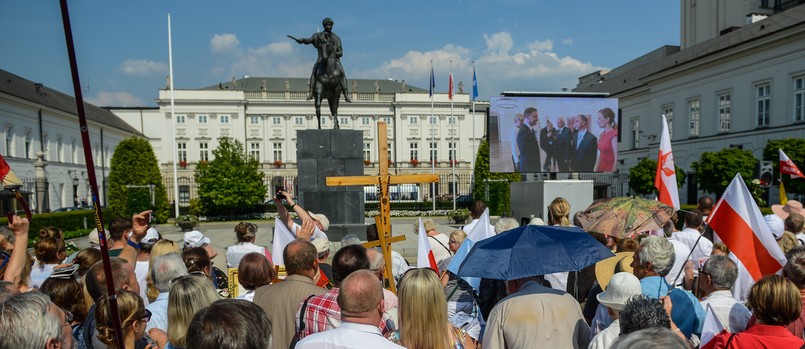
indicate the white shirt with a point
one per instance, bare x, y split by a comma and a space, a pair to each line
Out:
141, 271
441, 253
349, 335
39, 273
159, 313
317, 233
515, 149
249, 296
732, 314
681, 251
398, 264
235, 253
581, 136
605, 338
703, 249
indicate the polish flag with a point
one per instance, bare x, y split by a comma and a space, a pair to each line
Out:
736, 220
282, 237
424, 254
665, 179
450, 87
788, 167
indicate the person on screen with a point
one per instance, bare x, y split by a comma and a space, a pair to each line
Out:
547, 138
586, 146
527, 142
562, 145
518, 123
607, 141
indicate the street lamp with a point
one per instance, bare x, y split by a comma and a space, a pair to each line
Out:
75, 187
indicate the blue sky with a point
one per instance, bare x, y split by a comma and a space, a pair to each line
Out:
528, 45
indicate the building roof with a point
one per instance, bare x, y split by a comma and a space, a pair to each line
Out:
255, 84
631, 74
40, 94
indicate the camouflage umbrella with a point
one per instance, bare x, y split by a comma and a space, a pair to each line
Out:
625, 216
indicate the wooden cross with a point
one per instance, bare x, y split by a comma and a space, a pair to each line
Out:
383, 179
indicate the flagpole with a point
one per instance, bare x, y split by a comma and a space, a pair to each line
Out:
173, 122
432, 136
472, 119
452, 163
88, 159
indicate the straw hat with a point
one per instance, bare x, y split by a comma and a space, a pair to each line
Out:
792, 206
624, 286
604, 269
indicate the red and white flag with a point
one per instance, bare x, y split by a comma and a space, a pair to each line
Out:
424, 254
450, 86
788, 167
665, 178
711, 327
736, 220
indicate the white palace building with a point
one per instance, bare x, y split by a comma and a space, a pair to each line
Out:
265, 114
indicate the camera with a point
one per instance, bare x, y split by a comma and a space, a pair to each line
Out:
279, 195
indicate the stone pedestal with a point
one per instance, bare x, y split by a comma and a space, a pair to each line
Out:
323, 153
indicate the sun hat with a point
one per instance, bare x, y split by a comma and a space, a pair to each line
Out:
93, 238
792, 206
776, 225
322, 245
606, 268
194, 239
325, 223
621, 287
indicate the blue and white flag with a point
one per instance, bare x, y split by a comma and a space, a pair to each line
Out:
474, 84
480, 230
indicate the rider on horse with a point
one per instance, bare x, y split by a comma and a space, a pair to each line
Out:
329, 46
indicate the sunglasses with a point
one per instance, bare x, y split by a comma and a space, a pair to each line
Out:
146, 315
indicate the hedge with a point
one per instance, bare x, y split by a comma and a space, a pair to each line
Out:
71, 221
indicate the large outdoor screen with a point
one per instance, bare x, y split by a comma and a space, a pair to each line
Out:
553, 134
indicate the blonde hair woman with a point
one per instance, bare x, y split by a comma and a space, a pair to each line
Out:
188, 294
423, 314
161, 247
559, 212
133, 317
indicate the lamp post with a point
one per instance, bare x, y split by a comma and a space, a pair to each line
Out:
75, 188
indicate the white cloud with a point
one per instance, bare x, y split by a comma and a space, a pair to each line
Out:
567, 41
224, 43
273, 59
143, 67
117, 99
502, 64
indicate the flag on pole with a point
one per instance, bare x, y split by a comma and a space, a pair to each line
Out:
7, 177
282, 237
665, 178
788, 167
480, 230
736, 220
450, 88
474, 84
710, 328
432, 84
424, 254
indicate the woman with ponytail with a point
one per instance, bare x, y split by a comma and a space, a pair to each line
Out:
133, 317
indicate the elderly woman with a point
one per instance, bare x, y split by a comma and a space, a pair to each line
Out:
438, 243
776, 303
246, 233
459, 293
188, 295
423, 320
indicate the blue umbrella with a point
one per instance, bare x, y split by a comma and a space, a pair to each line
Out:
533, 250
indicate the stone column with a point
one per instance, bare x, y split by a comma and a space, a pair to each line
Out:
42, 204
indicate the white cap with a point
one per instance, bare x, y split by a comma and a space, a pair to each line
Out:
325, 223
194, 239
621, 287
322, 245
151, 235
776, 225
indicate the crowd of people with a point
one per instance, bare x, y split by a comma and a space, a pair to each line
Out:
567, 147
654, 291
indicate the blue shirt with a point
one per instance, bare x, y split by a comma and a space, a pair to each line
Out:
159, 313
687, 313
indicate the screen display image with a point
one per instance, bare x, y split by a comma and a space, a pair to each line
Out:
553, 134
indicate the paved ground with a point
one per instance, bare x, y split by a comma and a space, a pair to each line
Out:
222, 234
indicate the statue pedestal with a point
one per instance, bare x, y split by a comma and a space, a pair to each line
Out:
324, 153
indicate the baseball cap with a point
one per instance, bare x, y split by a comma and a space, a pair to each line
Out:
194, 239
322, 245
325, 223
776, 225
151, 235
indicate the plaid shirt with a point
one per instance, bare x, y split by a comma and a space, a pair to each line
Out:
323, 313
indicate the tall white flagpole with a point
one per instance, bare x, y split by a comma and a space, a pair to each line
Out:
452, 162
173, 122
432, 138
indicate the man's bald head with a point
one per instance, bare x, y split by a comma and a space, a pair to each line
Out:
359, 295
300, 257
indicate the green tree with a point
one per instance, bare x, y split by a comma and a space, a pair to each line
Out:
499, 201
641, 177
231, 183
715, 170
795, 149
135, 164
